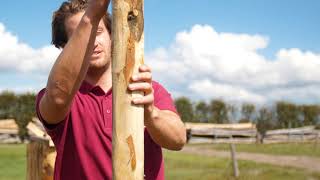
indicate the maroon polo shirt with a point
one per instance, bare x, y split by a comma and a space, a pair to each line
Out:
83, 140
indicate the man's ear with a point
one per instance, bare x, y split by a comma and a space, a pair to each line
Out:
62, 46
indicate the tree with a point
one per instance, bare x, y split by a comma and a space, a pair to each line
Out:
247, 111
265, 121
288, 115
19, 107
202, 112
184, 107
219, 112
24, 112
310, 114
232, 112
7, 102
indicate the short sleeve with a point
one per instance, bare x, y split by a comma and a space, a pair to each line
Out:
162, 98
53, 130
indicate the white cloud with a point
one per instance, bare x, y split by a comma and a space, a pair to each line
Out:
206, 88
200, 63
23, 68
203, 63
19, 57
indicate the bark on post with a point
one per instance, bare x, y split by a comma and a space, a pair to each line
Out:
128, 120
40, 159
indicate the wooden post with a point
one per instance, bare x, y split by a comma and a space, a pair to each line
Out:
128, 119
234, 161
40, 160
317, 139
258, 138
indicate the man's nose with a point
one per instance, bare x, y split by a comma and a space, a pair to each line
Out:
95, 43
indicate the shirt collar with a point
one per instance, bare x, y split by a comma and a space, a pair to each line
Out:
86, 88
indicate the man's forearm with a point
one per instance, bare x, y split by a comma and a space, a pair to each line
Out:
69, 69
72, 64
166, 129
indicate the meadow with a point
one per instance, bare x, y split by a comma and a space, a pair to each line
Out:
179, 165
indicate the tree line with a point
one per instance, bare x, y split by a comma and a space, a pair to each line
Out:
21, 107
281, 114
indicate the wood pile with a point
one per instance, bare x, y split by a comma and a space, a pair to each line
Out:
247, 133
302, 134
9, 131
221, 133
190, 125
8, 126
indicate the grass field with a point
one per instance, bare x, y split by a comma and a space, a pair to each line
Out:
177, 166
185, 167
12, 162
305, 149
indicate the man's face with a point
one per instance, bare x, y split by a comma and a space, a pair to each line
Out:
101, 56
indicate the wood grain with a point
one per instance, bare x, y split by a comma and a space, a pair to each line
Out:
128, 119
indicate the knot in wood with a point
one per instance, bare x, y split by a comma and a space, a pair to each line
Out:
132, 15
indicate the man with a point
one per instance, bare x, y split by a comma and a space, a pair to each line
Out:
76, 105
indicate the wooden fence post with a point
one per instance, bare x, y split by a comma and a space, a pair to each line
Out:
317, 139
234, 161
128, 119
258, 138
40, 160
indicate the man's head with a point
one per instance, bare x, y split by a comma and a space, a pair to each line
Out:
66, 10
65, 21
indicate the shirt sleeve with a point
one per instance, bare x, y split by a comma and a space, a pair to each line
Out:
162, 98
53, 130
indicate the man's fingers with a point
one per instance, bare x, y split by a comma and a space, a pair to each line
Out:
143, 76
141, 86
144, 68
148, 99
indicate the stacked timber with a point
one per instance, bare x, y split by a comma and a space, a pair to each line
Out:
37, 131
41, 153
9, 131
302, 134
221, 133
247, 133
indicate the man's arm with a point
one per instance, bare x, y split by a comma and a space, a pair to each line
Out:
72, 64
165, 127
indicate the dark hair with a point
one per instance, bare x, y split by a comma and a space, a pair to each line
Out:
67, 9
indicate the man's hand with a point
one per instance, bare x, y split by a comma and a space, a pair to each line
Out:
165, 127
97, 8
142, 81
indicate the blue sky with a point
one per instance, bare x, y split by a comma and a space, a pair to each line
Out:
285, 24
288, 23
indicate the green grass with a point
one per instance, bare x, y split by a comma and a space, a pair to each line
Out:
194, 167
305, 149
12, 162
177, 166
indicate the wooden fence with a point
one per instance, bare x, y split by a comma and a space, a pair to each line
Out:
247, 133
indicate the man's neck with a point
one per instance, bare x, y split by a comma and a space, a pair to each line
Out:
100, 77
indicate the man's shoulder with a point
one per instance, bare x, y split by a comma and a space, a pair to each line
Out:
40, 94
157, 86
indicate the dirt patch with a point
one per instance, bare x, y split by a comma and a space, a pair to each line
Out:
305, 162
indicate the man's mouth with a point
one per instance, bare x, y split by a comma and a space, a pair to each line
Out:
96, 53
